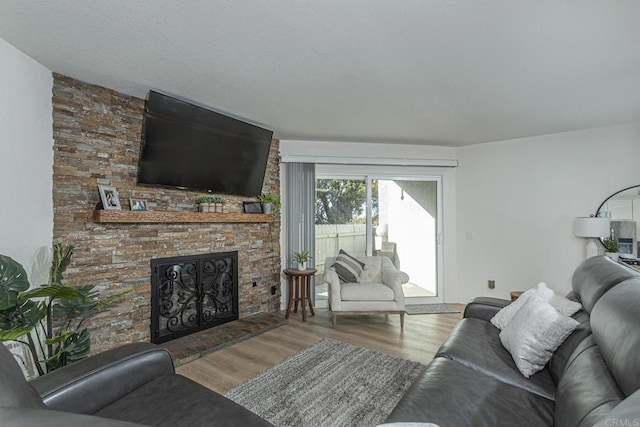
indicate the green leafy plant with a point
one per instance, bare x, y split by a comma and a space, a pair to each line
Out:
210, 199
611, 244
48, 319
205, 199
301, 257
273, 199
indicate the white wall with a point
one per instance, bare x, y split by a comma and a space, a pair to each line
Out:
516, 201
26, 162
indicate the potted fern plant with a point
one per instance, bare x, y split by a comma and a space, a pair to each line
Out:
611, 247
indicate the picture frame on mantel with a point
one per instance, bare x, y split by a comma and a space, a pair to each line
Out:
138, 204
109, 198
252, 207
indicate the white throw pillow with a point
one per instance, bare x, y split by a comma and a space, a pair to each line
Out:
504, 316
534, 333
565, 305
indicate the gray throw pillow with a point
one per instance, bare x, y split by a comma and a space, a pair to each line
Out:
534, 333
347, 267
504, 316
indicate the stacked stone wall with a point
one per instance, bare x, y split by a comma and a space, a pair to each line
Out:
97, 141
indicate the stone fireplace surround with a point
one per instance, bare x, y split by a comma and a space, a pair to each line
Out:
97, 140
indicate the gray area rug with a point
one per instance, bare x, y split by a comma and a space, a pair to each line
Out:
430, 309
330, 383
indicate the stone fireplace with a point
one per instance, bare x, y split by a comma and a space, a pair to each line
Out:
192, 293
97, 141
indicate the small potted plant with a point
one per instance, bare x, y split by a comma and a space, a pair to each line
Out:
301, 258
218, 203
611, 247
270, 203
205, 204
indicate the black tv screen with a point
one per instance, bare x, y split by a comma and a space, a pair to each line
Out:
190, 147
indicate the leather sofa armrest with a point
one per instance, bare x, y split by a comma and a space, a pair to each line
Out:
86, 386
484, 307
21, 417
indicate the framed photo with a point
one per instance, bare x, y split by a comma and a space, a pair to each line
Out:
252, 207
109, 197
138, 204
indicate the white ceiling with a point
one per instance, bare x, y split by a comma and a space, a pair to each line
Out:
442, 72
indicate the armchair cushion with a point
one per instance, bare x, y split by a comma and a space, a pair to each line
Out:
366, 292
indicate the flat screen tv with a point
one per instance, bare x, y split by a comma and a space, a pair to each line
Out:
190, 147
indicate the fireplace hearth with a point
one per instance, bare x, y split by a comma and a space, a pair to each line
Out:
192, 293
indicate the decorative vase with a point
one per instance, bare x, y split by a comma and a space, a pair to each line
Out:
302, 266
613, 255
268, 208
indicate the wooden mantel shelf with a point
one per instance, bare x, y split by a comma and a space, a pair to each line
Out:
113, 216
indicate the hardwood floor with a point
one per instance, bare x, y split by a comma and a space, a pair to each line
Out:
227, 368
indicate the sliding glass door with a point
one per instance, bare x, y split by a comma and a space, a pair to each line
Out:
406, 231
340, 223
388, 215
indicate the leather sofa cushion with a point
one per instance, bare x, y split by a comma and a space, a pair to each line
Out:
18, 417
366, 292
626, 413
615, 320
476, 343
587, 390
451, 394
594, 277
173, 400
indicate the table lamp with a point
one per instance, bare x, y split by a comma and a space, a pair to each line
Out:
591, 228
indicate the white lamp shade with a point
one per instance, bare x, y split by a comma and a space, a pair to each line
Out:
592, 227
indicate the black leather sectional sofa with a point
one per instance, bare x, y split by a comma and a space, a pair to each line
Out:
592, 379
128, 386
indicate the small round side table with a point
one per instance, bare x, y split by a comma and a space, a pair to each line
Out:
299, 290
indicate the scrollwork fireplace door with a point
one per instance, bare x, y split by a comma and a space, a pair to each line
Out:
192, 293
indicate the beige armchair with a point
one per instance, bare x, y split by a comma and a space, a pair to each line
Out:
379, 289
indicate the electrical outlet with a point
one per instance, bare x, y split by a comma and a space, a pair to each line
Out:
256, 280
492, 284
